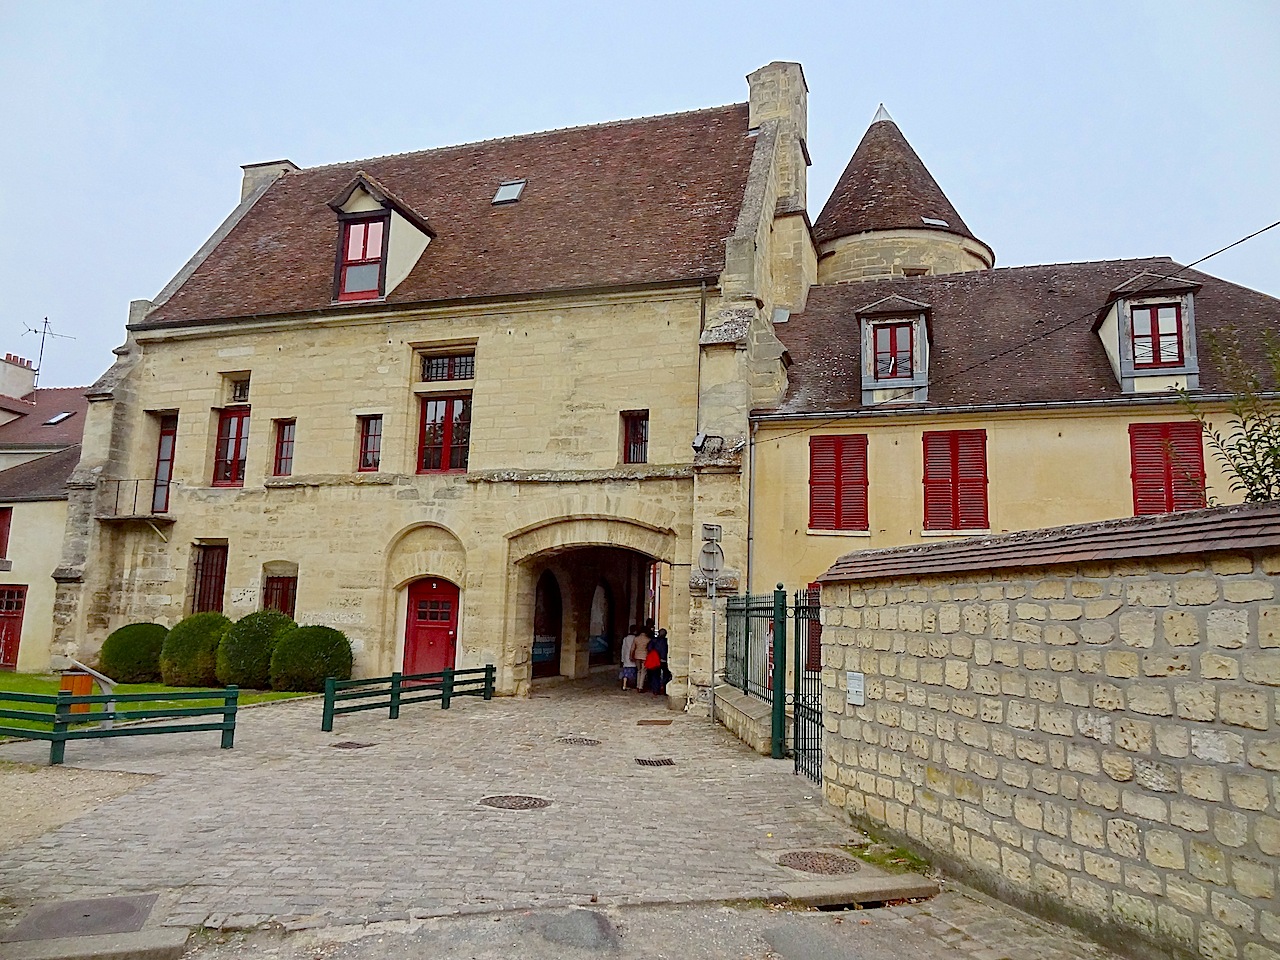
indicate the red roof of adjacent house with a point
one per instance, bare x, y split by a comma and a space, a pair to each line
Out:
886, 187
41, 479
637, 201
1013, 335
31, 427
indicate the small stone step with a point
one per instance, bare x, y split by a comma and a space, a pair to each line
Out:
164, 943
864, 887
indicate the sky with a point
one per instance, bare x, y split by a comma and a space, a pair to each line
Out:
1060, 131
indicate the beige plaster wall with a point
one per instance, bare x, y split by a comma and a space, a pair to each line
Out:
888, 253
1044, 469
35, 542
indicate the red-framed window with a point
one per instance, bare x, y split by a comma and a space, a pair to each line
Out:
282, 462
635, 436
444, 437
361, 258
280, 593
210, 578
232, 447
165, 445
955, 480
838, 483
893, 346
448, 366
1157, 335
1167, 462
6, 521
370, 443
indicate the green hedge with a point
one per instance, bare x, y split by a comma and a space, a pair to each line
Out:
244, 655
306, 655
132, 653
189, 655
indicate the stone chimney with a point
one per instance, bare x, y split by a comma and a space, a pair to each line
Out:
778, 92
257, 174
17, 377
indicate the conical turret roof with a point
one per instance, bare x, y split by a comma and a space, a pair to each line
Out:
886, 187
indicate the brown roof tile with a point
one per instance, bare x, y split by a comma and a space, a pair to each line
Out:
995, 336
637, 201
41, 479
31, 429
885, 187
1218, 529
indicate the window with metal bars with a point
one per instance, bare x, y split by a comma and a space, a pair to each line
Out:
232, 447
448, 366
1167, 461
444, 436
282, 462
635, 436
361, 257
370, 443
280, 593
838, 483
210, 578
955, 480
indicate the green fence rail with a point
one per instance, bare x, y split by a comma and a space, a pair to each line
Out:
393, 692
65, 725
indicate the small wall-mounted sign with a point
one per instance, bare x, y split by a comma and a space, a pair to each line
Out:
857, 688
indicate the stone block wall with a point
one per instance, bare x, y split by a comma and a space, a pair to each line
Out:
1099, 741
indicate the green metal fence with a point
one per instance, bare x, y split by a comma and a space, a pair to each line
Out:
65, 725
393, 692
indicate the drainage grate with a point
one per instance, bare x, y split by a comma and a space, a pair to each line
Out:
653, 723
580, 741
817, 861
655, 761
515, 802
351, 745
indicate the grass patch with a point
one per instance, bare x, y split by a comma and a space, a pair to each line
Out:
887, 857
49, 683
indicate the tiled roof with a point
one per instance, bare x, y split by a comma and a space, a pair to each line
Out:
31, 428
637, 201
995, 336
41, 479
1218, 529
885, 187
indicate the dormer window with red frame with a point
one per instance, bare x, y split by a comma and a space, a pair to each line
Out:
893, 351
361, 259
1157, 336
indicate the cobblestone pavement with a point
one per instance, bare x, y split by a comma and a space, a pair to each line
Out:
285, 826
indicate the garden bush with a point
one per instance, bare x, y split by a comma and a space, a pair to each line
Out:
306, 655
189, 655
244, 655
132, 653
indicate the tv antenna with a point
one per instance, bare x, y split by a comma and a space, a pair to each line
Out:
45, 330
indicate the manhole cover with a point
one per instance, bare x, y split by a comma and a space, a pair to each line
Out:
816, 861
652, 723
580, 741
515, 802
655, 761
351, 745
84, 918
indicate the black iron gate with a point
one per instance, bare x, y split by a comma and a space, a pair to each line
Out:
806, 697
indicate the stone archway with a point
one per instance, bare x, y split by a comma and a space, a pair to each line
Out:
417, 552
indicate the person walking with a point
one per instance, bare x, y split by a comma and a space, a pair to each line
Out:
640, 653
628, 672
658, 673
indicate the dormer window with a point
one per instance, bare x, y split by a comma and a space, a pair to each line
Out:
1157, 335
362, 258
1148, 329
893, 350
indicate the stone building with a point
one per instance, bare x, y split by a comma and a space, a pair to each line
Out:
460, 402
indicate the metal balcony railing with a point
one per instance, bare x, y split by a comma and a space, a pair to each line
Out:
145, 497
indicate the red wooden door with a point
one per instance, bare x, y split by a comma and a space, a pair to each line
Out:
431, 628
12, 602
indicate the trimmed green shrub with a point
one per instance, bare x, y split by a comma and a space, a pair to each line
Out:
244, 655
306, 655
132, 653
189, 655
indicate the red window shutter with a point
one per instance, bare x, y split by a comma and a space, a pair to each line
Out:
1167, 461
1186, 468
971, 479
852, 489
813, 651
955, 480
6, 519
822, 483
938, 498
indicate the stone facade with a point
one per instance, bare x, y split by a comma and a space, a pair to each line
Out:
1099, 740
900, 253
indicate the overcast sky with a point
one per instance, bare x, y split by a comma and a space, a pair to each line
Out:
1061, 132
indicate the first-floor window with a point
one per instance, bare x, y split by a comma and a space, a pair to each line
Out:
955, 480
370, 443
210, 577
444, 438
1167, 462
282, 464
280, 593
838, 483
232, 447
635, 436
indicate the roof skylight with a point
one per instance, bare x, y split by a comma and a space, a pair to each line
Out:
935, 222
509, 191
59, 417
